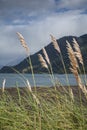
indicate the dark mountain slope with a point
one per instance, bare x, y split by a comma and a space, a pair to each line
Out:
24, 66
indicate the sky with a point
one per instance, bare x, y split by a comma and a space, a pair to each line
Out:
36, 20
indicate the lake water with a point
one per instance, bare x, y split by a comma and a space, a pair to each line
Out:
41, 79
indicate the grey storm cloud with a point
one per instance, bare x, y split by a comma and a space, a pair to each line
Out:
11, 10
27, 4
41, 4
23, 8
72, 4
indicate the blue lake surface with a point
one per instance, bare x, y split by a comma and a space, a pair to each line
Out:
41, 79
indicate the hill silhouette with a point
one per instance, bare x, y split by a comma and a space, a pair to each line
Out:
24, 66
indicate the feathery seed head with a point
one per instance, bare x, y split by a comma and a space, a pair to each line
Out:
55, 44
72, 57
42, 61
46, 55
77, 51
74, 64
23, 43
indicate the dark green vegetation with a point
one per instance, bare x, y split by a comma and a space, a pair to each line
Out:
54, 57
56, 111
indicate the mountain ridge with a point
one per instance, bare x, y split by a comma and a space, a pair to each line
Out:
24, 67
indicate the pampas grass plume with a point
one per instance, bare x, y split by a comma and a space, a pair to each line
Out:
77, 51
42, 61
23, 43
72, 57
55, 44
46, 55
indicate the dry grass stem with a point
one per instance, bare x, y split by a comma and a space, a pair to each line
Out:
42, 61
30, 90
22, 40
75, 72
46, 55
78, 79
84, 90
55, 44
3, 85
36, 99
77, 51
71, 94
28, 86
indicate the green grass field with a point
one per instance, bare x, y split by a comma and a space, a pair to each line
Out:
56, 110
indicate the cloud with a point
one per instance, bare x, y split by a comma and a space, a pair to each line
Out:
27, 4
36, 20
24, 9
37, 33
72, 4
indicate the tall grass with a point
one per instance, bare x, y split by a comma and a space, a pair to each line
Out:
57, 48
24, 109
24, 44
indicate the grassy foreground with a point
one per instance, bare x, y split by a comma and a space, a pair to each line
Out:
48, 108
56, 110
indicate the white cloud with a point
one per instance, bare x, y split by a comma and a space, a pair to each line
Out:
37, 34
